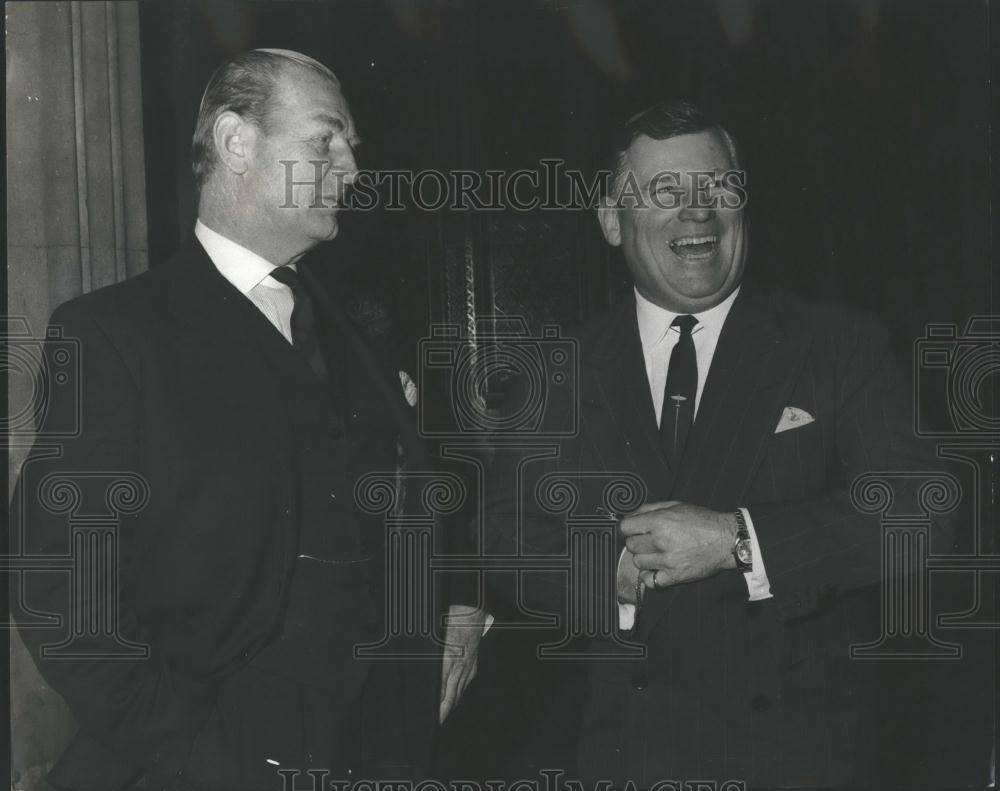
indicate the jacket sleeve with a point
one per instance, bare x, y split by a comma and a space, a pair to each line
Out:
815, 549
142, 709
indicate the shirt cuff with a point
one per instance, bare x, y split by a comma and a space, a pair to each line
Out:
465, 609
626, 612
757, 585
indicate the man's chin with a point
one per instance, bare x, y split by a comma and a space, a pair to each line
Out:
325, 225
708, 298
690, 297
708, 281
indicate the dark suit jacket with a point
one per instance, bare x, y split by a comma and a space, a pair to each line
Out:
756, 691
176, 385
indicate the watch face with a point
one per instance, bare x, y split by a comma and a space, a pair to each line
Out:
743, 552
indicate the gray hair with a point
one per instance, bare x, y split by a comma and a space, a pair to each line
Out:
245, 85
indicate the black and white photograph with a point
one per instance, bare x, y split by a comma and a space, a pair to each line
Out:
501, 395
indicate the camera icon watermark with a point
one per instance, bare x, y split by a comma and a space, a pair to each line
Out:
500, 382
36, 368
965, 366
958, 372
94, 504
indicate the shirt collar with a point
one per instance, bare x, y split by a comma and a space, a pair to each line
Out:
654, 321
240, 266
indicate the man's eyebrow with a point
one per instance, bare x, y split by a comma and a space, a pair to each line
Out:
654, 181
331, 120
337, 122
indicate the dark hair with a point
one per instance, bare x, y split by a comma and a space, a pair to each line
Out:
661, 121
244, 84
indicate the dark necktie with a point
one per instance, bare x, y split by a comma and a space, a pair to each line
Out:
303, 320
677, 413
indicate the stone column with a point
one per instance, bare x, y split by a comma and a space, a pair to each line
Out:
76, 221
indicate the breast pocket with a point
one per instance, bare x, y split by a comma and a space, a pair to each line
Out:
797, 462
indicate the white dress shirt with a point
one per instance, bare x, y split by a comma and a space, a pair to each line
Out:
250, 275
658, 340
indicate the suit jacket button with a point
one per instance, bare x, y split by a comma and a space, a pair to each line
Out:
639, 683
336, 432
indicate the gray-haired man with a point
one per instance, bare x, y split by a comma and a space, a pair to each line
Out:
221, 377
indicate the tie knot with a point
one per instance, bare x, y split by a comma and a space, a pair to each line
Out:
685, 324
286, 275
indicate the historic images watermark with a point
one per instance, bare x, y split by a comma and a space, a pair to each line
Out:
547, 780
551, 186
516, 395
960, 367
35, 367
473, 370
537, 371
92, 502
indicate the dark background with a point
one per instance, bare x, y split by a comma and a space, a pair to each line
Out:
865, 125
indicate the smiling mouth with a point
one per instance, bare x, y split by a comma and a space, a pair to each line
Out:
695, 247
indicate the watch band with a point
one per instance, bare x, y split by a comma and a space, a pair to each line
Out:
742, 548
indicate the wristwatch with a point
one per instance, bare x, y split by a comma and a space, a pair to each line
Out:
742, 549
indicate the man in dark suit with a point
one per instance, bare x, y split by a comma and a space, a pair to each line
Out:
739, 416
239, 405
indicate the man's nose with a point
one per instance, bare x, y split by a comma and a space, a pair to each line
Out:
695, 210
345, 166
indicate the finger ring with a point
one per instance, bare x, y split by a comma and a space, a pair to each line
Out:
655, 574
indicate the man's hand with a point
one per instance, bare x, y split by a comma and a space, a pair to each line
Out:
463, 630
678, 542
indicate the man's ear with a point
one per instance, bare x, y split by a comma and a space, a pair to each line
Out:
607, 216
234, 138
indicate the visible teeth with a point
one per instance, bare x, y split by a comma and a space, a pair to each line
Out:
693, 240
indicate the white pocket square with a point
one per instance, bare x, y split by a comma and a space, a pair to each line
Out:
409, 388
793, 417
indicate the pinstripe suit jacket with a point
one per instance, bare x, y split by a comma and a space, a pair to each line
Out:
762, 692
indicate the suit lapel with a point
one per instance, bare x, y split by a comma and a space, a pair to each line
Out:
212, 315
219, 325
617, 407
201, 300
754, 369
385, 380
224, 348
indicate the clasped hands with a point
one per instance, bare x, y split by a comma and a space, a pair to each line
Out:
671, 543
665, 544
